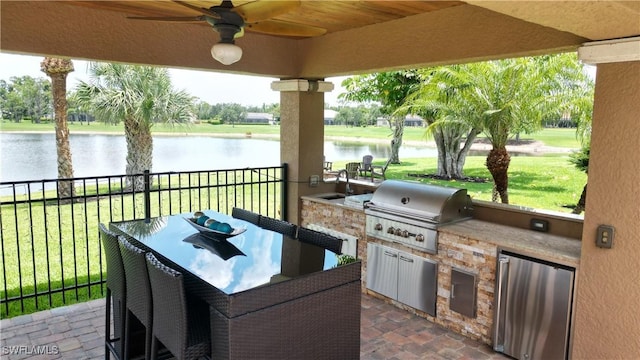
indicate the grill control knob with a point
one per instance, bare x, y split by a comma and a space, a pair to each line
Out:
378, 227
398, 232
405, 234
420, 238
391, 230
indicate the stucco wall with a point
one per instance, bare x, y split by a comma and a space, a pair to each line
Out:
607, 318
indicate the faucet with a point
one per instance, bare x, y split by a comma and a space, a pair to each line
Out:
347, 190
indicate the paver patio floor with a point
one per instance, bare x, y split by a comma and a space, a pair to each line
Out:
77, 332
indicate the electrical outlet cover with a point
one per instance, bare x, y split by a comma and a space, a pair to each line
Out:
604, 236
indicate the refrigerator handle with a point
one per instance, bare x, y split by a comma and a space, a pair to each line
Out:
498, 335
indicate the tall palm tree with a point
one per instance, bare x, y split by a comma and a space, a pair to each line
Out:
58, 69
514, 95
139, 96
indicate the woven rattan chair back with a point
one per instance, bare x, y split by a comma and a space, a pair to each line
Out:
246, 215
280, 226
325, 241
115, 267
181, 325
138, 291
116, 293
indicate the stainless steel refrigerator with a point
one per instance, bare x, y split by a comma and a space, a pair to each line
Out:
533, 308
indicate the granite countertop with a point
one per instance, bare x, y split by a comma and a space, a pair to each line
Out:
544, 246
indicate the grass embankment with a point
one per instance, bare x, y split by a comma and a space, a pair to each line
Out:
550, 137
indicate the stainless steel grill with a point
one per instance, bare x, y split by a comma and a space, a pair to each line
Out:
410, 213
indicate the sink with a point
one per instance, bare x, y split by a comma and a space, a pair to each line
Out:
354, 201
331, 196
336, 198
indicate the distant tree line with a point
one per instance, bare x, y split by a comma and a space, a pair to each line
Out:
25, 98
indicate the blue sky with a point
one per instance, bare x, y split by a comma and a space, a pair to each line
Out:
241, 89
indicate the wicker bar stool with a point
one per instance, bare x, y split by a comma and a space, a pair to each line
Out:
138, 294
323, 240
246, 215
180, 324
116, 294
280, 226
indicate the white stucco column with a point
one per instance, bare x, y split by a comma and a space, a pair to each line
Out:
301, 137
607, 311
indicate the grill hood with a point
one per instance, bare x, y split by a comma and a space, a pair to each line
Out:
416, 201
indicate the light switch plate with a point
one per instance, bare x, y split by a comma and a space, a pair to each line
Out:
314, 180
604, 236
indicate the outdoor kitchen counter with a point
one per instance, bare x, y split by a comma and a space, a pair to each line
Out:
540, 245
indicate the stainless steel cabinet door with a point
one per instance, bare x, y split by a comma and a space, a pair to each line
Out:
382, 270
534, 308
417, 282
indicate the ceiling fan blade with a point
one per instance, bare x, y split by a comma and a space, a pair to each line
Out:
277, 27
204, 11
170, 18
263, 10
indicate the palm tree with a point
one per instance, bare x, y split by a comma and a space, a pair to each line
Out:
58, 69
581, 110
500, 98
140, 96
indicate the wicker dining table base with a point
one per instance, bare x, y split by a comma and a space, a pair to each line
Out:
324, 325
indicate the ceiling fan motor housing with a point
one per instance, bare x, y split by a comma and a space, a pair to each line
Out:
229, 23
227, 32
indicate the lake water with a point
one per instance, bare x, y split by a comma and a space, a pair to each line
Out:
33, 156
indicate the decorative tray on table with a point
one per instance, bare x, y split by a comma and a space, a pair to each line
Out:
214, 234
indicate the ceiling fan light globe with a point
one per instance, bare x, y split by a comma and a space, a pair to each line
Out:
226, 54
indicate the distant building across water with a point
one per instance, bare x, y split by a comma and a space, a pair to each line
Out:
409, 120
259, 118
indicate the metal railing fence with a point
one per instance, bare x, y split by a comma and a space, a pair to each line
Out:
50, 249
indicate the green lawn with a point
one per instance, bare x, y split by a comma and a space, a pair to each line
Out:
556, 137
541, 182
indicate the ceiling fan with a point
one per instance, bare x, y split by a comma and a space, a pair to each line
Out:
230, 22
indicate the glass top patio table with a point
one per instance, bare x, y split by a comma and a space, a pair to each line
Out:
242, 262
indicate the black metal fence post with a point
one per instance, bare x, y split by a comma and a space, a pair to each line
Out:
147, 197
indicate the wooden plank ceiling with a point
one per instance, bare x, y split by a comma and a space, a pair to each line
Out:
333, 16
